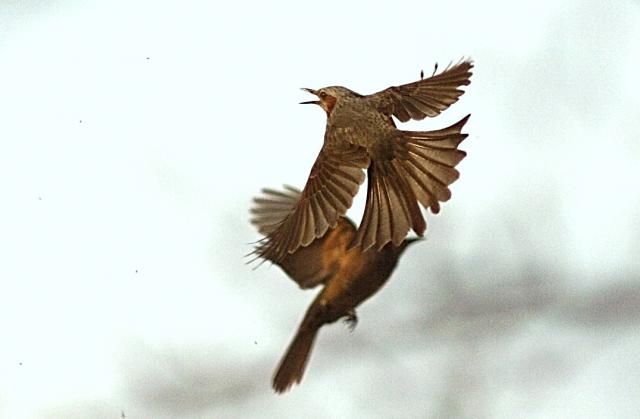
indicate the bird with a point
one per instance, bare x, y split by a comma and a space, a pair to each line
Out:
349, 275
404, 168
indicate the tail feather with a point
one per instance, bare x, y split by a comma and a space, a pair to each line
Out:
391, 208
293, 364
421, 171
412, 216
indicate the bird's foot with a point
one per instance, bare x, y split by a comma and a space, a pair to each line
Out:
351, 319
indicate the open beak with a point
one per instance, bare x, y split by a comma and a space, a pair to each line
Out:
310, 102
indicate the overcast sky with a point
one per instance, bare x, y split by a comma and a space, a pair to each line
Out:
133, 136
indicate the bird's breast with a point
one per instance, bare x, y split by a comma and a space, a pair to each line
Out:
357, 123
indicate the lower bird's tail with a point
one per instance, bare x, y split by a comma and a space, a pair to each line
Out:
294, 362
421, 170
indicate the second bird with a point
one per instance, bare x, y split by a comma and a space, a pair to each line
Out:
349, 276
404, 168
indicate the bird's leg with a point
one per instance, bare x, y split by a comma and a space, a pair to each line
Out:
351, 319
435, 68
421, 74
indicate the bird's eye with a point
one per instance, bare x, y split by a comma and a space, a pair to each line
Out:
323, 95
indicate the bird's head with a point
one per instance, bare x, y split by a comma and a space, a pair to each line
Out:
328, 97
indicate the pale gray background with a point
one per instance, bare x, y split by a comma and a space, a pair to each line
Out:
133, 135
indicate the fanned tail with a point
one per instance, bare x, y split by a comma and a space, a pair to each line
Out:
391, 208
421, 171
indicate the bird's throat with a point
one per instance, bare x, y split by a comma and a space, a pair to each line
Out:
328, 103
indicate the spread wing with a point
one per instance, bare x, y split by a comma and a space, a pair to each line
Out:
333, 182
426, 97
311, 265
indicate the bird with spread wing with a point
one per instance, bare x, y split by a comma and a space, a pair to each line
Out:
404, 168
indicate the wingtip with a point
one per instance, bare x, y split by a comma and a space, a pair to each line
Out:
292, 189
466, 60
461, 123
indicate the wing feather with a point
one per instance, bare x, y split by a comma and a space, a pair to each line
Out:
333, 182
424, 98
309, 265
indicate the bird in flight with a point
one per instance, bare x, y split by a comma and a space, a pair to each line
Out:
349, 275
404, 168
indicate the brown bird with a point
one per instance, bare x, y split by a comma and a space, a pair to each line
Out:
349, 276
404, 168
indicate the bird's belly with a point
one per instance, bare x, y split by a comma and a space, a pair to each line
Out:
348, 289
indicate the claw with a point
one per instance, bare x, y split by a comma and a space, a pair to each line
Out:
351, 319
